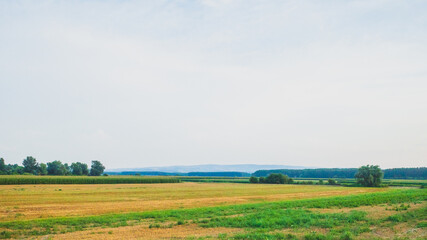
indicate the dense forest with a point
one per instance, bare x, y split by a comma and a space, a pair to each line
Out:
403, 173
394, 173
31, 166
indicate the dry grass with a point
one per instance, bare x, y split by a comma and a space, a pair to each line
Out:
41, 201
399, 231
374, 212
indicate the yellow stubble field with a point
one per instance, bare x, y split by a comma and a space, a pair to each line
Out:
18, 202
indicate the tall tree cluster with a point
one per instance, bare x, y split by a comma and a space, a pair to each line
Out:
31, 166
369, 176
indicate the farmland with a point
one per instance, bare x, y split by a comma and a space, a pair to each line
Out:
29, 179
209, 210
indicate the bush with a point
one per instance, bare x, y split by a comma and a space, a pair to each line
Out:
5, 234
253, 179
276, 178
346, 236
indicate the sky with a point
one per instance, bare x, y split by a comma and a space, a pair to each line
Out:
158, 83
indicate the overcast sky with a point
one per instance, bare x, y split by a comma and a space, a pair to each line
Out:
156, 83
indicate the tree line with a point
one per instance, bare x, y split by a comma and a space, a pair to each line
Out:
57, 168
394, 173
367, 176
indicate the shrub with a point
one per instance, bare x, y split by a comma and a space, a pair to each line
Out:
314, 236
253, 179
346, 236
276, 178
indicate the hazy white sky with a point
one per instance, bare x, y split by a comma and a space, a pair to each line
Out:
154, 83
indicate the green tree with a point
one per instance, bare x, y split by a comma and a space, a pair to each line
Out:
42, 169
97, 168
30, 165
331, 181
56, 168
79, 168
67, 169
2, 166
276, 178
13, 169
286, 178
85, 169
76, 169
253, 179
261, 179
369, 176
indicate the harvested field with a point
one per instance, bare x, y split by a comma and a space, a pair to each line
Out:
210, 211
19, 202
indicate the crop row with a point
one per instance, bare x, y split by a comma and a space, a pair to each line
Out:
9, 180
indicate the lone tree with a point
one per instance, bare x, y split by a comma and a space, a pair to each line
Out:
2, 166
369, 176
97, 168
30, 165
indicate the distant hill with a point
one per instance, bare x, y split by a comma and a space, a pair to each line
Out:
249, 168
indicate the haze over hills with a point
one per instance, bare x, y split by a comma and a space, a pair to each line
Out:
250, 168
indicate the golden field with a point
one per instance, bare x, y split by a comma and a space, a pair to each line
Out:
210, 211
19, 202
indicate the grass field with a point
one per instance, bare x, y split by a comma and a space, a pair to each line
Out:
210, 210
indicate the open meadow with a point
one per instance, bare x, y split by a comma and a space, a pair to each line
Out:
190, 210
